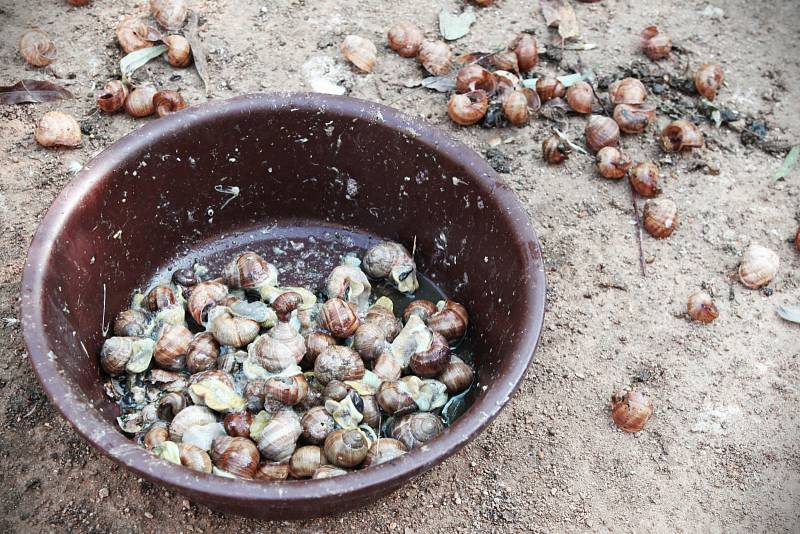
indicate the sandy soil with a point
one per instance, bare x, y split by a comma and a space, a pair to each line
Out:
720, 453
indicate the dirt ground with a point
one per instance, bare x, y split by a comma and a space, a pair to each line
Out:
721, 451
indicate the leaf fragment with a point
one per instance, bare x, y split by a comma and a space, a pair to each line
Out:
32, 91
788, 164
198, 50
790, 313
453, 26
139, 58
559, 14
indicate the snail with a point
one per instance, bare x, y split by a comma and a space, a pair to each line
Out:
376, 332
405, 38
432, 361
681, 135
160, 297
797, 240
580, 97
708, 80
370, 411
627, 91
700, 307
130, 323
189, 417
278, 440
548, 88
384, 450
140, 102
349, 283
156, 435
554, 150
250, 271
421, 308
435, 57
660, 217
170, 14
305, 461
655, 44
457, 376
194, 458
339, 318
203, 352
346, 447
237, 424
112, 99
273, 471
203, 297
394, 398
758, 267
288, 390
133, 34
237, 456
285, 303
172, 345
78, 3
360, 52
328, 471
390, 260
387, 367
450, 319
515, 108
526, 49
55, 128
415, 429
506, 83
612, 162
36, 48
279, 348
630, 410
644, 179
472, 77
317, 423
634, 118
179, 51
115, 354
168, 102
505, 60
338, 363
601, 132
316, 342
468, 108
229, 329
171, 405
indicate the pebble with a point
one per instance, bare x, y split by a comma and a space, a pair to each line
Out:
103, 493
148, 515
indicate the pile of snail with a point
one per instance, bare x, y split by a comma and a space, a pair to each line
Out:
241, 377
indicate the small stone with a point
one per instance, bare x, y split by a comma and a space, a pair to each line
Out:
103, 493
553, 491
148, 515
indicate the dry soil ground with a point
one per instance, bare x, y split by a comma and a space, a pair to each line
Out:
721, 451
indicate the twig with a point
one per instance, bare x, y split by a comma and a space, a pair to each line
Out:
597, 97
639, 232
566, 139
104, 326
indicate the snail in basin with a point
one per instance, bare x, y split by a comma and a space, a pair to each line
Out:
377, 331
237, 456
338, 317
278, 441
305, 461
338, 362
392, 261
349, 283
229, 329
279, 348
415, 429
447, 317
384, 450
203, 297
250, 271
346, 447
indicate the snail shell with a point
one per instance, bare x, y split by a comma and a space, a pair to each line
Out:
168, 102
115, 354
527, 51
279, 348
554, 150
328, 471
405, 38
179, 51
417, 428
681, 135
279, 438
285, 303
468, 108
133, 34
231, 330
660, 217
435, 57
505, 60
250, 271
370, 411
630, 410
156, 435
634, 118
384, 450
387, 367
305, 461
237, 456
130, 323
160, 297
288, 390
195, 458
316, 342
612, 162
379, 328
346, 448
515, 108
203, 353
170, 14
203, 297
140, 102
506, 83
549, 88
273, 471
171, 405
758, 267
189, 417
627, 91
457, 376
700, 307
580, 97
349, 283
172, 346
644, 179
317, 423
656, 45
391, 260
421, 308
431, 362
451, 320
708, 80
360, 52
472, 77
338, 363
394, 398
55, 128
113, 97
339, 318
601, 132
237, 424
37, 48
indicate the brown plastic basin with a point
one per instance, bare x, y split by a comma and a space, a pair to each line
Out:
312, 171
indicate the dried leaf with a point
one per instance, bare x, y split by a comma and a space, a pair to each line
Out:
788, 163
559, 14
566, 80
443, 84
198, 50
454, 27
32, 91
790, 313
139, 58
580, 46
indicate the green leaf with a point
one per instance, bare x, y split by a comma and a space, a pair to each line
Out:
138, 58
788, 163
790, 313
454, 27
